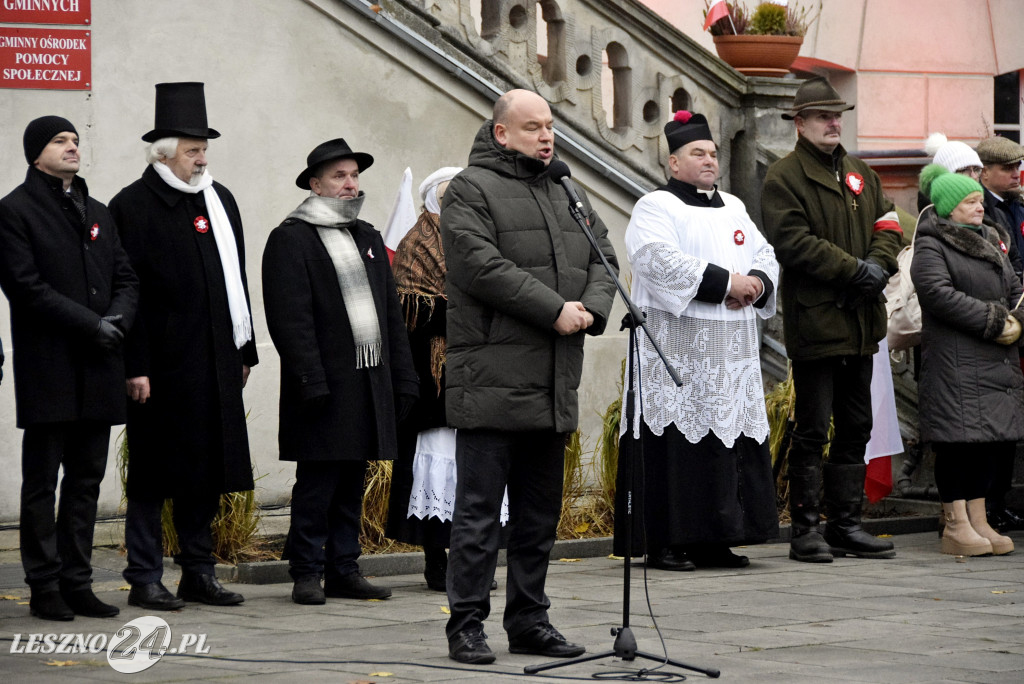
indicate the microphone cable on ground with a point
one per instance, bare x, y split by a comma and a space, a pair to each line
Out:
390, 663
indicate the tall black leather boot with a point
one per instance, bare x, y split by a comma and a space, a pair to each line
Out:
806, 544
844, 497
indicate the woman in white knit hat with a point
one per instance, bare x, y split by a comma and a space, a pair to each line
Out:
423, 478
955, 156
959, 157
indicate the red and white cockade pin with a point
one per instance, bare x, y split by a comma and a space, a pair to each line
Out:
369, 253
738, 237
1002, 246
201, 224
855, 182
94, 232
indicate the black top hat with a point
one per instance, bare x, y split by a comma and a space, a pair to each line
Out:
816, 93
180, 112
329, 151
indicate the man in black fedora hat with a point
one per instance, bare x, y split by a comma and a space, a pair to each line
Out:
347, 376
72, 294
188, 356
836, 237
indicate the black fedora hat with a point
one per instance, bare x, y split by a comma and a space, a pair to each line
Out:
817, 93
180, 112
329, 151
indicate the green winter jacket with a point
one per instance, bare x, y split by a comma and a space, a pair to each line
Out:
819, 226
515, 256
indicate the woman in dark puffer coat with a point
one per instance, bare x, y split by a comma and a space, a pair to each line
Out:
970, 371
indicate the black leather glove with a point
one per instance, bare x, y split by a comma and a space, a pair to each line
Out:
404, 406
108, 336
870, 278
867, 283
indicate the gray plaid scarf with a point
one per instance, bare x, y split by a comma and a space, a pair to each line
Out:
332, 217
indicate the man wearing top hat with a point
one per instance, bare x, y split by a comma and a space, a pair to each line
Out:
703, 274
836, 237
72, 294
188, 356
347, 376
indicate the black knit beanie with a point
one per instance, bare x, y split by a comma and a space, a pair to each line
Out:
40, 132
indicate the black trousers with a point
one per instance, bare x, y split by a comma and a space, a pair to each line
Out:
837, 388
531, 464
143, 536
57, 553
1002, 478
327, 507
965, 471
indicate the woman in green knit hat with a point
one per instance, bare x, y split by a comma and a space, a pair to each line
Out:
970, 369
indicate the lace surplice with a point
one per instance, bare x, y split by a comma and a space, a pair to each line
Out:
712, 348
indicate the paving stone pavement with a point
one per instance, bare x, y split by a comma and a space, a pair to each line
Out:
920, 617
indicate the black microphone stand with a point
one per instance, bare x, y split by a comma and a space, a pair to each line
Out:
624, 646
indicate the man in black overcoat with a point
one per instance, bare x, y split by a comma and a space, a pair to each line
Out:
73, 295
1000, 176
347, 375
188, 357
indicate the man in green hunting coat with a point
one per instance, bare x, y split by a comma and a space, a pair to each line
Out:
836, 237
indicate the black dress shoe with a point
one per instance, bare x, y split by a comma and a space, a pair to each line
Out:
1004, 519
354, 586
435, 567
308, 592
154, 596
206, 589
83, 602
717, 557
544, 640
1013, 518
437, 579
50, 605
672, 560
470, 646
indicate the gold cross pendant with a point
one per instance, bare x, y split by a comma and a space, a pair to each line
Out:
855, 204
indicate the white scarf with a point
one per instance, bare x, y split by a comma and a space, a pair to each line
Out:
224, 238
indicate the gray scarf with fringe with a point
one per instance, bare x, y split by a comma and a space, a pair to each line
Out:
332, 217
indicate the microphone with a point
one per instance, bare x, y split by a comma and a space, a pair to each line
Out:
559, 170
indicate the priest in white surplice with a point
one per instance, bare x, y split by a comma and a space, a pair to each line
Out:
702, 272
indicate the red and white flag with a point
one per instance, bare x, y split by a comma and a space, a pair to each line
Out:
402, 217
717, 10
885, 430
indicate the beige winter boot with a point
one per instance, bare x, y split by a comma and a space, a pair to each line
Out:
959, 538
976, 515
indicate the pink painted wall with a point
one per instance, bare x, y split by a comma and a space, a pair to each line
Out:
920, 65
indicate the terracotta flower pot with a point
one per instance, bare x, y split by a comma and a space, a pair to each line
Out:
759, 55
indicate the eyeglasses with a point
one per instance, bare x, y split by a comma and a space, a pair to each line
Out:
972, 171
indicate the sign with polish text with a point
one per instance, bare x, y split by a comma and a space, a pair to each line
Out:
45, 59
77, 12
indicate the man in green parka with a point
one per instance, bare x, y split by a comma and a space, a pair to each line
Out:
836, 237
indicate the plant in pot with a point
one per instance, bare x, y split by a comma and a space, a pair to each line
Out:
764, 42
